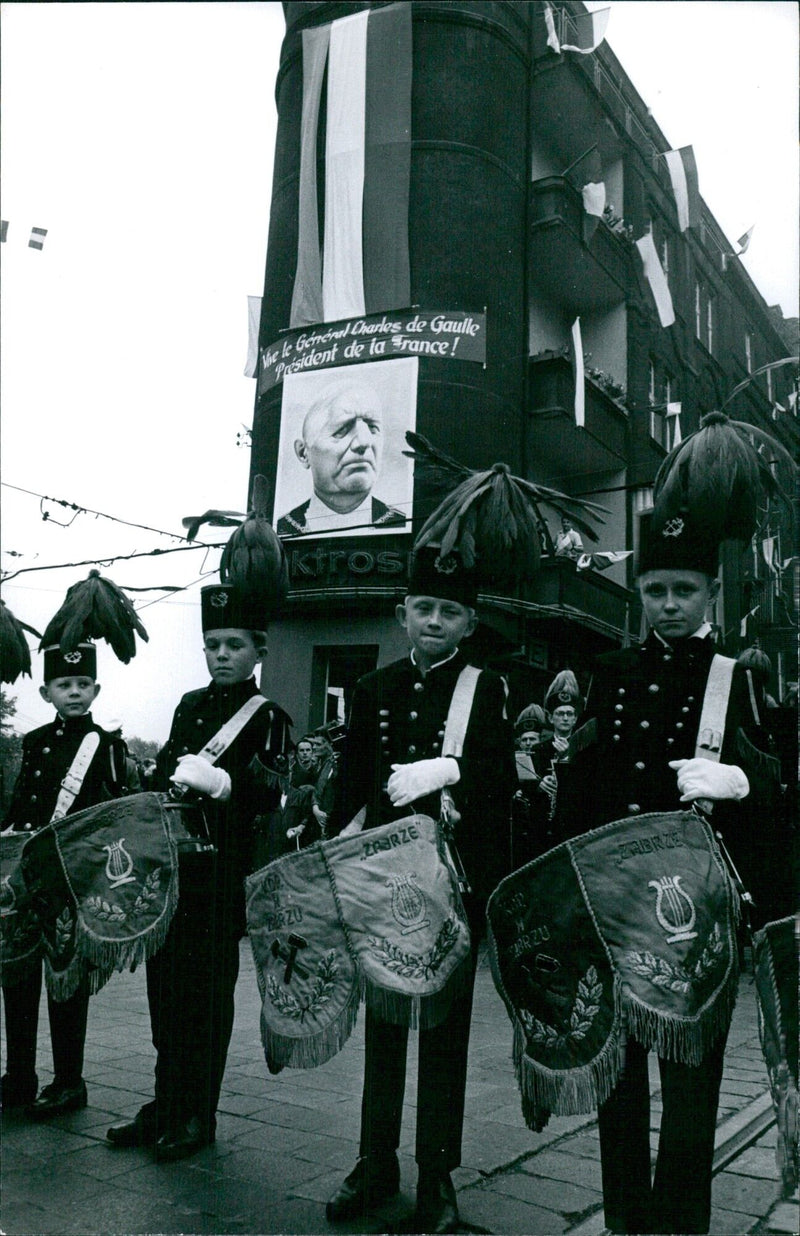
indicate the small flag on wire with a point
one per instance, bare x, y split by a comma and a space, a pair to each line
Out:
590, 30
37, 237
682, 170
744, 241
253, 325
602, 559
654, 274
3, 230
576, 357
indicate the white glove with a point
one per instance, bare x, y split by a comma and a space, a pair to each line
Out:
700, 778
411, 781
198, 774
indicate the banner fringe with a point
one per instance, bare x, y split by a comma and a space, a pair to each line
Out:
675, 1038
417, 1012
566, 1092
308, 1052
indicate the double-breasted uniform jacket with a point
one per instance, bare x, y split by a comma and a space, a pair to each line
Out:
644, 711
47, 754
254, 761
397, 717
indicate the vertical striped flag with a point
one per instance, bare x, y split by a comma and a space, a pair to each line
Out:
253, 326
682, 170
37, 237
654, 274
356, 108
674, 425
590, 30
552, 38
594, 203
576, 357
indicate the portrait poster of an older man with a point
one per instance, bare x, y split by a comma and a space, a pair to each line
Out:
340, 465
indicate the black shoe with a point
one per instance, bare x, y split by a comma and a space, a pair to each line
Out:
141, 1131
183, 1140
372, 1181
437, 1208
18, 1091
56, 1099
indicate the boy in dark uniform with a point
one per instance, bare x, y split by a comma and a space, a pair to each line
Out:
643, 714
48, 755
191, 980
392, 759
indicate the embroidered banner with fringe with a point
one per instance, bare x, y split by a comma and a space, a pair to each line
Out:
374, 915
626, 930
20, 930
105, 887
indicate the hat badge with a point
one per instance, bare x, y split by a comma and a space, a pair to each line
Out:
73, 657
445, 564
219, 600
673, 527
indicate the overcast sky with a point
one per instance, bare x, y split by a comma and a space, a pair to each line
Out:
141, 136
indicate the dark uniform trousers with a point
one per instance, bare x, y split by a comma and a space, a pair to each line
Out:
192, 978
190, 992
441, 1076
47, 754
398, 716
645, 703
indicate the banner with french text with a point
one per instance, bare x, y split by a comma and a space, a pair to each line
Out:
378, 336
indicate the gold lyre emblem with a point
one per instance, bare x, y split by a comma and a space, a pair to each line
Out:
679, 907
119, 864
408, 903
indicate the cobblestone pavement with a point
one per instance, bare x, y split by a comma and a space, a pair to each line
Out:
284, 1142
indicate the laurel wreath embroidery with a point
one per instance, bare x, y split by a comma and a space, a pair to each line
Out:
662, 973
105, 912
114, 913
417, 965
149, 891
581, 1018
321, 990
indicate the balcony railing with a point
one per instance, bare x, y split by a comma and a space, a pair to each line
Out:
600, 445
580, 272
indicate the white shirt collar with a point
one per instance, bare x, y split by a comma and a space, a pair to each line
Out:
436, 664
702, 632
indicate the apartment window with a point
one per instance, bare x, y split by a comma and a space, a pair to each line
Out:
748, 351
335, 670
710, 324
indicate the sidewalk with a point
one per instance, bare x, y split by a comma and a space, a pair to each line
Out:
284, 1142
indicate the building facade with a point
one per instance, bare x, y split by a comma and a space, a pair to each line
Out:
467, 141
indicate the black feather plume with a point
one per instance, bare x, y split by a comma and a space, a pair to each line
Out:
719, 476
492, 517
15, 655
95, 608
